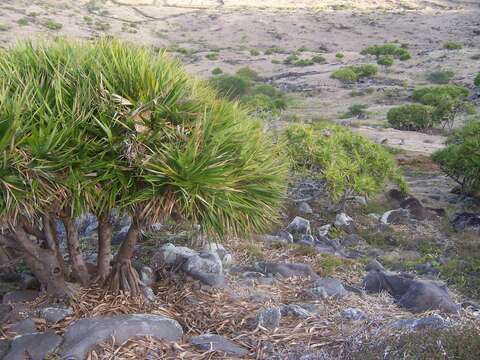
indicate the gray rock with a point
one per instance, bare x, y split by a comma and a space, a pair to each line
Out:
466, 221
429, 322
223, 254
4, 346
170, 255
295, 310
374, 265
214, 342
305, 208
287, 270
415, 208
55, 314
35, 346
4, 311
269, 318
327, 288
119, 236
83, 334
29, 282
206, 262
427, 269
352, 239
395, 217
307, 239
323, 230
22, 327
299, 225
20, 296
86, 224
360, 200
412, 294
148, 276
353, 314
149, 294
342, 220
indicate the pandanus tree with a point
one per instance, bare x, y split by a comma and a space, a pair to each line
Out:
93, 127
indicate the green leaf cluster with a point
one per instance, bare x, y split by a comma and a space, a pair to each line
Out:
354, 73
386, 53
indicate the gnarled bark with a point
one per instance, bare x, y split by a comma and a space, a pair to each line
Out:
79, 269
105, 230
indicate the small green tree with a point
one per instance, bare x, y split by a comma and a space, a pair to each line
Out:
386, 53
92, 127
350, 164
354, 73
461, 158
476, 82
447, 100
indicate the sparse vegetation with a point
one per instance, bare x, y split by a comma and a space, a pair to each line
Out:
217, 71
386, 60
357, 110
453, 45
23, 21
339, 55
254, 52
4, 27
212, 56
476, 81
53, 25
441, 76
349, 164
461, 158
295, 60
355, 73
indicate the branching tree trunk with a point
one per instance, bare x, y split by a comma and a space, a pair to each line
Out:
45, 266
79, 269
105, 230
123, 276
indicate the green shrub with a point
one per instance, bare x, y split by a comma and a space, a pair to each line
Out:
254, 52
348, 163
53, 25
217, 71
290, 59
247, 73
411, 117
441, 76
357, 110
265, 97
461, 158
212, 56
231, 86
23, 21
339, 55
274, 50
386, 60
476, 82
390, 50
355, 73
4, 27
294, 60
453, 45
447, 100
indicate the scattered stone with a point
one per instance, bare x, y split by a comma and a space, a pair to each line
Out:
223, 254
55, 314
148, 276
37, 346
395, 196
307, 240
353, 314
205, 266
214, 342
360, 200
119, 236
429, 322
22, 327
395, 217
352, 239
342, 220
269, 318
148, 293
326, 288
4, 311
295, 310
29, 282
83, 334
415, 208
466, 221
305, 208
324, 230
20, 296
299, 225
427, 269
412, 294
287, 270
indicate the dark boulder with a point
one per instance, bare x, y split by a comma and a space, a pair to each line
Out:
466, 221
415, 207
287, 270
37, 346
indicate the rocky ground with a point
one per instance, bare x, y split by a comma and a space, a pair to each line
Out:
324, 284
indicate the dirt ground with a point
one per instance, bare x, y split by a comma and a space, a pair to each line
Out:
241, 31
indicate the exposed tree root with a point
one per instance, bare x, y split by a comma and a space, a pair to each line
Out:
124, 278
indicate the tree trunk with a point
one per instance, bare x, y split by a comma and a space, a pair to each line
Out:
44, 265
79, 269
123, 276
51, 237
105, 230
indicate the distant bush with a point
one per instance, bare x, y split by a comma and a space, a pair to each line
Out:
447, 100
265, 97
354, 73
231, 86
441, 76
217, 71
453, 45
386, 53
53, 25
461, 158
274, 50
356, 110
295, 60
339, 55
476, 82
247, 73
386, 60
254, 52
349, 163
411, 117
212, 56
